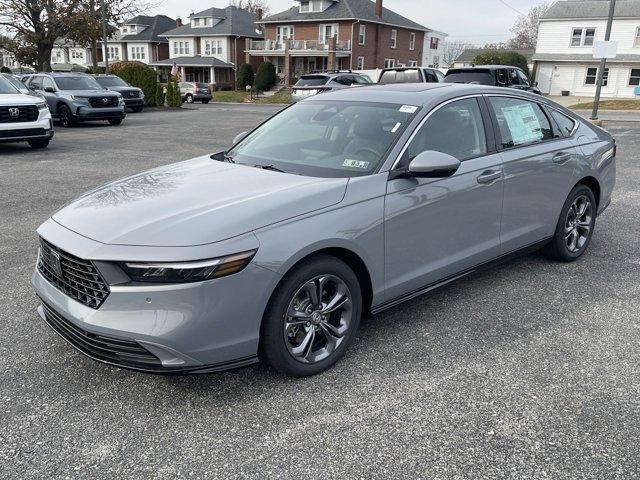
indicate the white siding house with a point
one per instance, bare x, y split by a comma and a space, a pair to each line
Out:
564, 53
433, 49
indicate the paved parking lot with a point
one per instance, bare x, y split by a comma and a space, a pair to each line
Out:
529, 370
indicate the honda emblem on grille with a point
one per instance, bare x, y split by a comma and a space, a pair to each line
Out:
55, 263
105, 101
14, 112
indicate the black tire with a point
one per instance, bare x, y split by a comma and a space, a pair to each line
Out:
559, 249
115, 121
205, 101
137, 109
189, 98
39, 143
273, 348
65, 116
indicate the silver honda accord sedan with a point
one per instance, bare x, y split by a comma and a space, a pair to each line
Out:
338, 207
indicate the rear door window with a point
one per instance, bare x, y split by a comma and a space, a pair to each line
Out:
47, 82
521, 122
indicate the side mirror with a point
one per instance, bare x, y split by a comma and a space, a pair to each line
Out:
49, 89
238, 138
432, 164
535, 84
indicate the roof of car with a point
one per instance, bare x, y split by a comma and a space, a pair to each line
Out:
415, 93
485, 67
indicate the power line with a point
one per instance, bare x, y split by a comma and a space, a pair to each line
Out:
512, 8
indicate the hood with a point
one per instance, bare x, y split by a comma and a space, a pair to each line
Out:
124, 89
90, 93
18, 99
196, 202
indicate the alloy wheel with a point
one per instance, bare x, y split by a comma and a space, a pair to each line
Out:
578, 224
65, 117
318, 318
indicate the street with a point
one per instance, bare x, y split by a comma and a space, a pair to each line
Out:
528, 370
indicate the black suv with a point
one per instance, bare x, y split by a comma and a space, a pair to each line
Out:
133, 96
494, 75
410, 75
76, 97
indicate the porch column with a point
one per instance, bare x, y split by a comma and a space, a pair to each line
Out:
182, 75
287, 64
331, 60
247, 47
212, 76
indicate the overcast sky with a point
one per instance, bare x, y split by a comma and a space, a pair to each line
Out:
475, 21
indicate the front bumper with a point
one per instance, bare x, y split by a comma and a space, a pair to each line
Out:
83, 113
25, 131
199, 327
133, 102
198, 97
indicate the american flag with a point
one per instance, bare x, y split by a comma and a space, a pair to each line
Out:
174, 70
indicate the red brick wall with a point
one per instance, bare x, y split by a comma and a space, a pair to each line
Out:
163, 51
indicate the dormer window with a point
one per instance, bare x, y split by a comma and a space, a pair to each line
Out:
304, 7
310, 6
196, 22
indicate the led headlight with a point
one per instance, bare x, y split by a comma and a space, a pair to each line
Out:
141, 94
43, 106
76, 97
186, 272
120, 100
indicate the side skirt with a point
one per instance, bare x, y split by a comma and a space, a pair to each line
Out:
478, 268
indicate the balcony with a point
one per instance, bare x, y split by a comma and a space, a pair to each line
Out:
297, 47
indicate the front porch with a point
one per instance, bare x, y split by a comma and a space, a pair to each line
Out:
219, 74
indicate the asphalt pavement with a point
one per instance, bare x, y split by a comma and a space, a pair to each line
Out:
528, 370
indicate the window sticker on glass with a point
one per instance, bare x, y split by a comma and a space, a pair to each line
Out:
523, 123
397, 126
408, 109
349, 163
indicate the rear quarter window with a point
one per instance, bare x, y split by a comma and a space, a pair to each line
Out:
565, 124
402, 76
481, 77
312, 81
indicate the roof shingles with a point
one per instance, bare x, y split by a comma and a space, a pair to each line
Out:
235, 22
592, 9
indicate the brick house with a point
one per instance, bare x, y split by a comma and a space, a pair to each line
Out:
338, 34
211, 46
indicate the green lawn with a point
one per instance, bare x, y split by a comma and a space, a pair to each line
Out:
610, 105
238, 97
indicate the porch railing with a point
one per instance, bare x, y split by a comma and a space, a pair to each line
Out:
298, 45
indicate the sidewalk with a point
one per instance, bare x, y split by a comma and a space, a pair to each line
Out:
613, 115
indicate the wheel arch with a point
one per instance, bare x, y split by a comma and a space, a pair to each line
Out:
594, 186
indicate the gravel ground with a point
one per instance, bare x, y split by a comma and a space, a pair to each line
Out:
529, 370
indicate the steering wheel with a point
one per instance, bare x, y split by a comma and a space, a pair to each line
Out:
368, 150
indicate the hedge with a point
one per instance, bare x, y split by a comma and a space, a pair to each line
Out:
139, 75
266, 77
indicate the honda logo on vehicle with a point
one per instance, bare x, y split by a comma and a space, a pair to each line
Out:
56, 265
14, 112
105, 101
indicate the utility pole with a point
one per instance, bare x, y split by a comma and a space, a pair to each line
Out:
603, 61
105, 47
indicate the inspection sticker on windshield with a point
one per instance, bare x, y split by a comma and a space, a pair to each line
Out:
408, 109
356, 164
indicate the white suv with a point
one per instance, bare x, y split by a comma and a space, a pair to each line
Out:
23, 118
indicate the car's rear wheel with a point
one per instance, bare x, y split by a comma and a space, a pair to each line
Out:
39, 143
66, 118
575, 226
205, 101
137, 109
189, 98
115, 121
312, 317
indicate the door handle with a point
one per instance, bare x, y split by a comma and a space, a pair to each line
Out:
489, 176
561, 157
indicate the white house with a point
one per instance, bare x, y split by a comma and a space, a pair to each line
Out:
564, 53
433, 49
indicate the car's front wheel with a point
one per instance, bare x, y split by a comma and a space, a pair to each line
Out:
189, 98
312, 317
115, 121
575, 226
137, 109
39, 143
66, 118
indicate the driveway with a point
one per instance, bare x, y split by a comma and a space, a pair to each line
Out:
529, 370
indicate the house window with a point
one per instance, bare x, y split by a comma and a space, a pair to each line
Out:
186, 47
196, 22
636, 42
113, 53
284, 33
327, 31
413, 63
634, 79
434, 43
394, 39
389, 63
137, 53
213, 47
360, 65
304, 7
175, 48
583, 37
412, 41
362, 35
78, 55
592, 77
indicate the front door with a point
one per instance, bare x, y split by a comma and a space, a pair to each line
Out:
539, 165
438, 228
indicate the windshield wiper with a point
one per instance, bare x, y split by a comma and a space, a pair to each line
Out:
229, 158
273, 168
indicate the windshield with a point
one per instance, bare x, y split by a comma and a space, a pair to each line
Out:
7, 87
312, 81
111, 82
77, 83
483, 77
16, 83
401, 76
326, 138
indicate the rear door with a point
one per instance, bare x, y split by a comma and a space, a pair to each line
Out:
539, 164
438, 228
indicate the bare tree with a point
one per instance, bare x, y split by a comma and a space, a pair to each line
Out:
452, 50
252, 5
525, 30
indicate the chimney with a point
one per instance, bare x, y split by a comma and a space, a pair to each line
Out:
178, 22
379, 8
259, 13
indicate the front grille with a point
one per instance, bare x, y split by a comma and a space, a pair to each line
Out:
126, 353
131, 94
73, 276
25, 113
22, 133
103, 102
